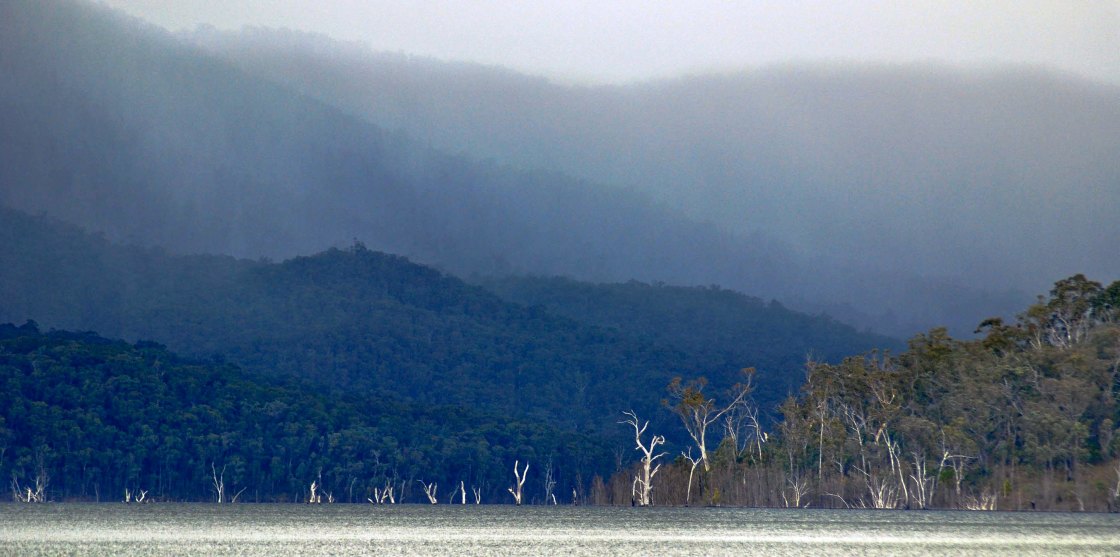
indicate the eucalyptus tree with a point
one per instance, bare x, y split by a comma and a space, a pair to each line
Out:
697, 412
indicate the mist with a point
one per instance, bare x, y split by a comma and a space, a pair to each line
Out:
933, 193
626, 41
894, 196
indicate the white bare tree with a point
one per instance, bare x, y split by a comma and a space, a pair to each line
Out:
383, 495
130, 496
691, 472
430, 491
643, 484
27, 494
314, 496
794, 495
219, 480
516, 490
549, 484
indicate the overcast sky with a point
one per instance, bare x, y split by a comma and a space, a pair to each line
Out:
623, 40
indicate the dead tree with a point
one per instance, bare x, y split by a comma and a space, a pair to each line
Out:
463, 493
430, 491
477, 495
549, 484
516, 491
798, 489
314, 497
643, 485
382, 495
129, 496
26, 494
238, 494
219, 482
691, 472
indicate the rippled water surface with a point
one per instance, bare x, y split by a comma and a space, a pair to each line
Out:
252, 530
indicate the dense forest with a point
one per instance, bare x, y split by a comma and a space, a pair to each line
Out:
354, 324
87, 418
1023, 418
360, 319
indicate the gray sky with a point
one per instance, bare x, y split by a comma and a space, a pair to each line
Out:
623, 40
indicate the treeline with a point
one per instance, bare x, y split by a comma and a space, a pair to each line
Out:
86, 418
1023, 418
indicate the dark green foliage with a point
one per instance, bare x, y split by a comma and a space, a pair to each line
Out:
1021, 419
721, 330
357, 319
99, 416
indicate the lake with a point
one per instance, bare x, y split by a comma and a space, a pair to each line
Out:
273, 529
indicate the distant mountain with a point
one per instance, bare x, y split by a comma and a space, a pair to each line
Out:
565, 353
909, 196
119, 127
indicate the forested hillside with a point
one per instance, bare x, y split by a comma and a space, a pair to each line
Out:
719, 329
83, 417
1024, 418
379, 324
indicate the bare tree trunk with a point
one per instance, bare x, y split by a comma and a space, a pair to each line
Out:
691, 472
643, 485
549, 484
314, 497
219, 482
430, 491
516, 491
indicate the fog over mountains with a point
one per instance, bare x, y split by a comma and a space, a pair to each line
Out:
911, 187
897, 198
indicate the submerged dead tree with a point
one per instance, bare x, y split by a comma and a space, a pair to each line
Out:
29, 495
516, 490
315, 497
643, 484
219, 481
430, 491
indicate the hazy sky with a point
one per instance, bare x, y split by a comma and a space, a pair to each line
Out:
623, 40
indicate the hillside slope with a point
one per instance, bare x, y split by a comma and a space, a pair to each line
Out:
87, 418
378, 324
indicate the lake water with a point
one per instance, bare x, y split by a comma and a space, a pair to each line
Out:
268, 530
